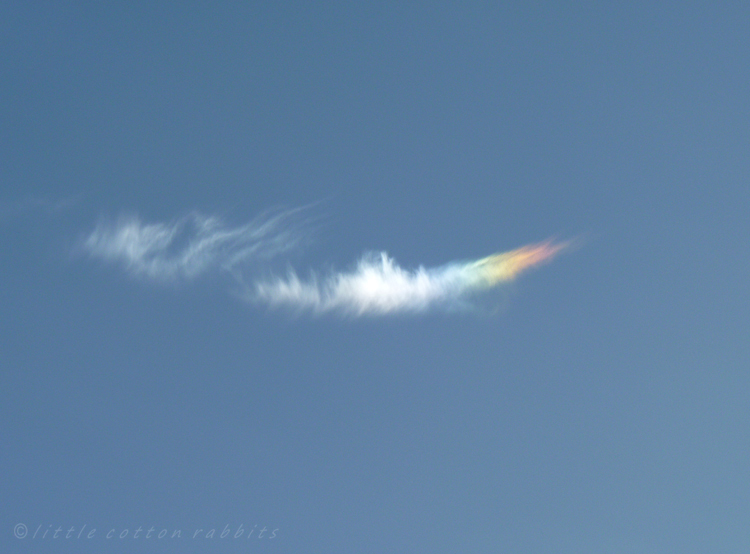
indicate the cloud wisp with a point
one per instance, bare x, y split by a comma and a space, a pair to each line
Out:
379, 286
28, 205
192, 245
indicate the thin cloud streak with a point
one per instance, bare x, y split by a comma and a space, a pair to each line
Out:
10, 211
192, 245
379, 286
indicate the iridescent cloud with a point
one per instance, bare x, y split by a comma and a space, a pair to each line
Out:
378, 285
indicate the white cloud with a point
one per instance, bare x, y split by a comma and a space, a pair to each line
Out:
376, 286
192, 245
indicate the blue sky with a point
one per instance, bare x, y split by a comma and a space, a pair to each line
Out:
603, 408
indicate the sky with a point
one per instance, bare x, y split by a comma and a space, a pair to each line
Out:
249, 277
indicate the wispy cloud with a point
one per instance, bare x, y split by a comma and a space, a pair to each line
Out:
379, 286
10, 211
192, 245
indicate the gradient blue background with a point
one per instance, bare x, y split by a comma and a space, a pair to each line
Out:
607, 409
